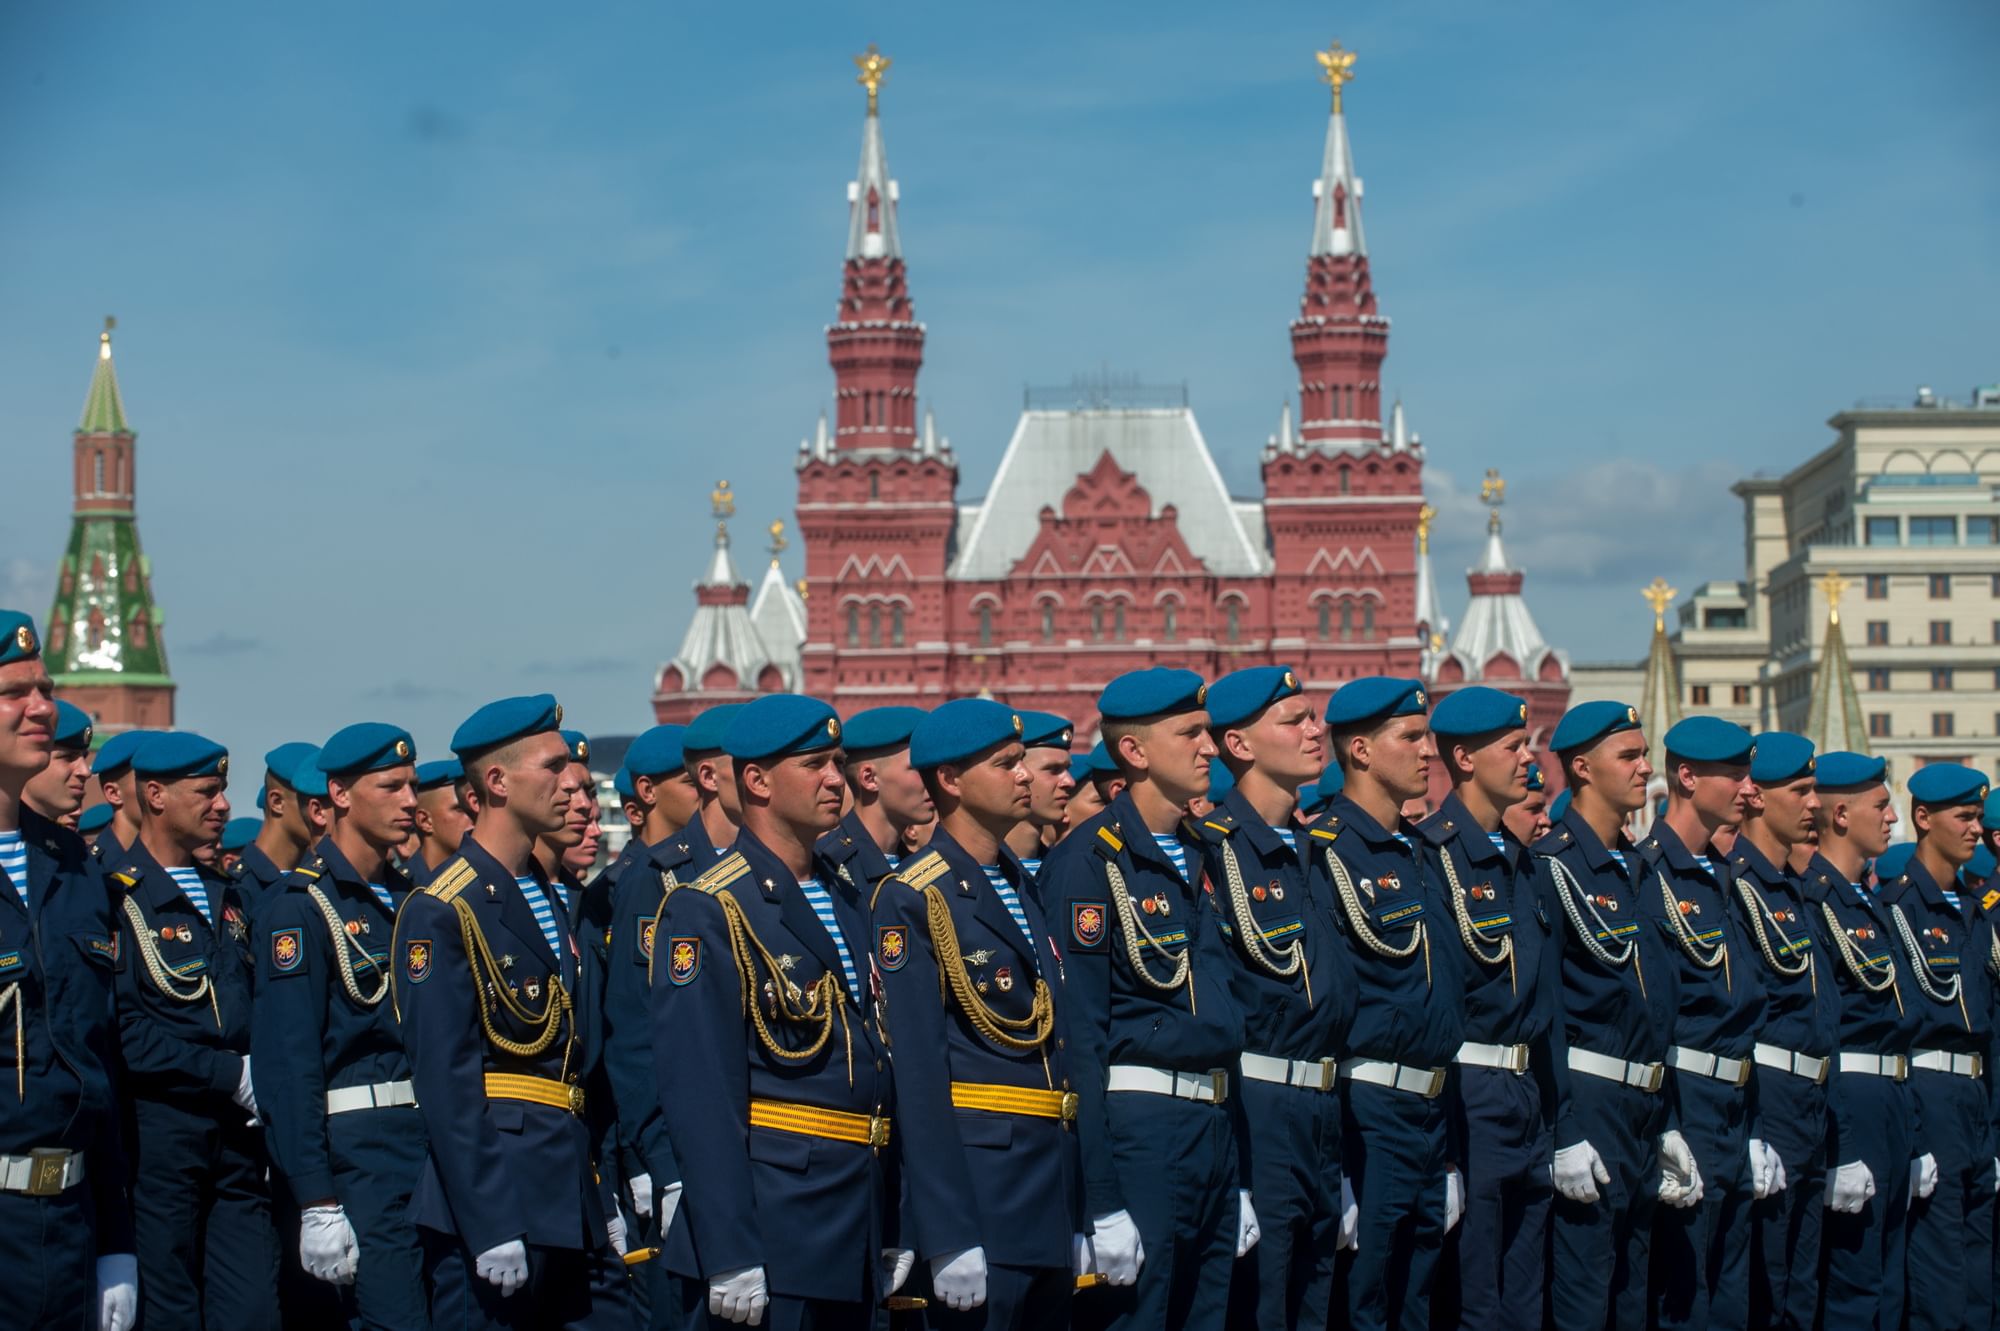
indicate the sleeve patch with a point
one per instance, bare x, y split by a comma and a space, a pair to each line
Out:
892, 945
1086, 923
683, 959
642, 934
417, 960
287, 951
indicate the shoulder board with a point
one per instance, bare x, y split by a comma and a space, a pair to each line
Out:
917, 875
1331, 832
723, 872
124, 878
304, 872
457, 875
1437, 831
1108, 843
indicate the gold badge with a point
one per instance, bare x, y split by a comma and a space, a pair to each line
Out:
222, 767
558, 713
402, 748
1064, 739
1524, 713
1290, 683
1632, 716
583, 750
833, 727
1017, 723
1201, 696
1420, 699
24, 638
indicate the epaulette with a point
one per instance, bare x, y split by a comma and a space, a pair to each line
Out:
1107, 843
457, 875
1437, 831
916, 875
1986, 902
1326, 829
124, 878
722, 873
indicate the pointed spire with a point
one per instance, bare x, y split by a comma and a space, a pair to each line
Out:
722, 569
1497, 621
1833, 715
871, 196
103, 408
822, 447
1337, 192
1431, 620
1399, 435
1660, 695
930, 445
1287, 436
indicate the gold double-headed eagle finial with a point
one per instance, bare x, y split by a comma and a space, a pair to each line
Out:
722, 501
1834, 586
874, 67
1493, 493
1336, 67
1425, 516
778, 541
1659, 596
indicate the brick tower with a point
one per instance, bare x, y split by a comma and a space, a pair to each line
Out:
104, 646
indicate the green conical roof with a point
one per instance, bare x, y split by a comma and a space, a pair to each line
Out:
1833, 716
103, 409
1660, 695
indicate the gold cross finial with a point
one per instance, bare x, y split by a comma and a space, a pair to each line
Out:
1336, 67
722, 501
104, 338
874, 67
778, 542
1659, 596
1425, 515
1835, 587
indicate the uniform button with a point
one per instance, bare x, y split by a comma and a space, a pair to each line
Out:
878, 1065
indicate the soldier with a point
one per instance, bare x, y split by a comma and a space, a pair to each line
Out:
1046, 737
1409, 1003
1871, 1107
512, 1220
1503, 1087
285, 836
1154, 1027
315, 803
1947, 942
238, 834
713, 773
207, 1252
90, 824
115, 780
65, 1219
442, 818
332, 1078
568, 853
1291, 978
56, 792
889, 799
1701, 1253
1618, 993
775, 1086
984, 1109
1779, 912
1528, 821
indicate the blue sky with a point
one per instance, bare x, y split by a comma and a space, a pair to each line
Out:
439, 322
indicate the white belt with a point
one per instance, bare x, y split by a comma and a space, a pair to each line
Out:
1940, 1060
382, 1095
1507, 1057
1646, 1077
42, 1173
1312, 1074
1210, 1088
1799, 1065
1894, 1066
1427, 1082
1735, 1071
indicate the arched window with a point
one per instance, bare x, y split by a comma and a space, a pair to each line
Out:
1048, 621
97, 486
874, 626
1118, 622
1346, 621
985, 626
896, 626
1368, 620
853, 626
1171, 615
1097, 621
1232, 629
1325, 620
874, 485
1345, 481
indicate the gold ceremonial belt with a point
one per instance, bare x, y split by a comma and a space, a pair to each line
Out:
835, 1125
1014, 1100
535, 1091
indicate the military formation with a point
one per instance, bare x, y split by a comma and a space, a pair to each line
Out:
920, 1019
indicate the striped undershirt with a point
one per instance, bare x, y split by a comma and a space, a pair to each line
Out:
545, 913
1171, 847
382, 895
192, 888
1012, 900
14, 861
822, 903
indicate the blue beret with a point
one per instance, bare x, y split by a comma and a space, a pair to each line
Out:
578, 745
1478, 710
439, 774
1588, 722
17, 638
366, 746
658, 752
1241, 694
1309, 799
73, 727
880, 729
239, 832
96, 818
1331, 781
1558, 807
307, 778
1536, 779
1944, 784
778, 725
115, 754
1989, 815
1891, 863
1375, 698
1046, 730
705, 732
282, 761
259, 800
1980, 867
1098, 761
1220, 781
621, 781
509, 719
1710, 739
1079, 768
181, 753
1781, 756
1157, 691
1841, 770
961, 729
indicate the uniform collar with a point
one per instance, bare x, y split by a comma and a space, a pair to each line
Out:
1138, 838
1454, 822
1666, 843
851, 841
1916, 878
258, 865
1357, 820
1827, 877
1262, 835
153, 884
1748, 861
1572, 830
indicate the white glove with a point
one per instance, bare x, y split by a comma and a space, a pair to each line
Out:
1247, 1232
1350, 1216
1454, 1197
959, 1279
897, 1263
1577, 1171
739, 1296
1778, 1180
504, 1267
642, 1195
1923, 1176
117, 1291
1853, 1184
327, 1247
614, 1230
1116, 1251
1761, 1177
669, 1202
1081, 1257
1680, 1179
246, 1095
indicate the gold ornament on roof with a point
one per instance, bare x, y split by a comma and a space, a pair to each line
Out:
1493, 493
722, 501
1425, 516
104, 338
801, 587
874, 67
1659, 596
1336, 67
1835, 587
778, 541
